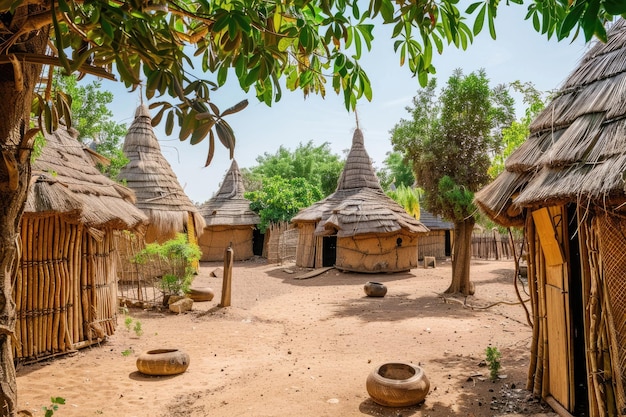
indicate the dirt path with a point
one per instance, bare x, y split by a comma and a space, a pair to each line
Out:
289, 347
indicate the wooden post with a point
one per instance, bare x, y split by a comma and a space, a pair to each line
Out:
228, 275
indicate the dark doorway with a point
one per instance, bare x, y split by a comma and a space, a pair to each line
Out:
329, 251
448, 243
257, 242
581, 402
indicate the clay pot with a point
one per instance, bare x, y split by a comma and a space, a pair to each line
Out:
397, 384
201, 294
375, 289
163, 362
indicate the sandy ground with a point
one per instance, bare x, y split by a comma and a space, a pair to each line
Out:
304, 347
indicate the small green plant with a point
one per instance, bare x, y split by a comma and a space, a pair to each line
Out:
180, 256
54, 406
493, 361
128, 322
137, 328
127, 352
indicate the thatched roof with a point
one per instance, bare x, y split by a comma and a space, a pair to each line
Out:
576, 150
359, 205
159, 194
65, 180
229, 207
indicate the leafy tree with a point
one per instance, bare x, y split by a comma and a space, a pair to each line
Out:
449, 140
408, 198
279, 199
396, 171
317, 164
296, 41
514, 135
93, 120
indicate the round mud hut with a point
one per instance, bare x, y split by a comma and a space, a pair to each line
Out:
159, 194
565, 186
66, 292
358, 227
229, 221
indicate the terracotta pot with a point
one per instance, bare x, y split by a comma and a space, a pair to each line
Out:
397, 384
375, 289
201, 294
163, 362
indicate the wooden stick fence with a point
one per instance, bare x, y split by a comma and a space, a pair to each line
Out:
65, 289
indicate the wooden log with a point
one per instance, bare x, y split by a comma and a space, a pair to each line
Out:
228, 274
58, 278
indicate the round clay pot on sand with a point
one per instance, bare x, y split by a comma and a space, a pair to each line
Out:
397, 384
163, 362
375, 289
201, 294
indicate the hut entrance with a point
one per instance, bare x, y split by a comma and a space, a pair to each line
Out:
257, 242
577, 308
329, 251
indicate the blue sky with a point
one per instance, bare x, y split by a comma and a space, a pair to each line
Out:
518, 53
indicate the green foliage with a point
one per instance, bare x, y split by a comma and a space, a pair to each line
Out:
515, 134
93, 120
180, 256
493, 356
396, 171
317, 164
128, 322
280, 199
449, 140
127, 352
54, 406
408, 198
137, 328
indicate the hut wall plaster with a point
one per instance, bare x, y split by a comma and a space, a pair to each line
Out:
374, 253
216, 239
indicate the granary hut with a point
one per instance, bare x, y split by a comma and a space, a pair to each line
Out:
66, 289
565, 187
439, 239
229, 221
159, 194
358, 227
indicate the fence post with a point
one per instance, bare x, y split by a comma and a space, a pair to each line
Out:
228, 275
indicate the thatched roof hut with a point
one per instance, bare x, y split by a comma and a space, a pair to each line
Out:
565, 186
358, 227
439, 239
66, 292
229, 220
150, 176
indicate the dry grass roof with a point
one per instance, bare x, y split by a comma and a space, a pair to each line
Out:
159, 194
359, 205
65, 180
229, 207
576, 150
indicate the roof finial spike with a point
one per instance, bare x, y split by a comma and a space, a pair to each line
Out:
356, 116
141, 94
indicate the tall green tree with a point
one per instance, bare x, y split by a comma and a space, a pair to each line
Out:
93, 119
396, 170
154, 42
279, 199
450, 140
317, 164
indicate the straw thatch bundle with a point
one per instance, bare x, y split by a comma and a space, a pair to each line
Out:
66, 289
358, 210
565, 185
150, 176
229, 220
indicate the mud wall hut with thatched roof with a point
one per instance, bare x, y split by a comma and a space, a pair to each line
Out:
66, 289
159, 194
565, 186
229, 220
439, 239
358, 227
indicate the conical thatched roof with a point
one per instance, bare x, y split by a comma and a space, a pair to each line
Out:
229, 207
65, 180
148, 173
576, 150
359, 205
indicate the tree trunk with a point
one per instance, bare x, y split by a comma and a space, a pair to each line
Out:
461, 256
15, 173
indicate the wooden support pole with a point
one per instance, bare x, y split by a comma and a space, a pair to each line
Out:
228, 275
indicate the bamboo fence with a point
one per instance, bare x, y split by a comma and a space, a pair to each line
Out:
493, 246
65, 289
